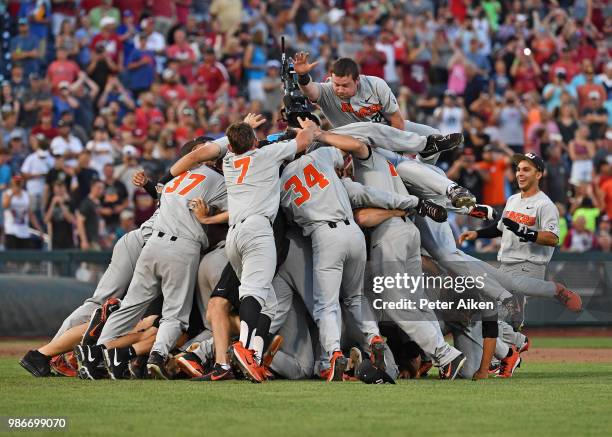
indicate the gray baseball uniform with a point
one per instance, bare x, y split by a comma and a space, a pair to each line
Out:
315, 199
116, 279
169, 262
253, 188
389, 258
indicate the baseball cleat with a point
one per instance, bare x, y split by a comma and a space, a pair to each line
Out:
432, 210
274, 347
377, 349
509, 364
483, 212
88, 359
246, 362
64, 365
117, 363
424, 368
218, 373
460, 196
569, 299
441, 143
525, 346
451, 370
338, 363
36, 363
190, 364
156, 366
138, 367
98, 319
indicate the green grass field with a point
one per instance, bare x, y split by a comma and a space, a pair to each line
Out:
542, 399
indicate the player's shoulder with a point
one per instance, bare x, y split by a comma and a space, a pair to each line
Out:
544, 200
373, 82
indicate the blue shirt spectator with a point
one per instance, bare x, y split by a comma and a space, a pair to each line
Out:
25, 48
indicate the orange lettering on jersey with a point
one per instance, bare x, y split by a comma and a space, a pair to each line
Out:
176, 182
312, 176
362, 112
523, 219
392, 169
244, 163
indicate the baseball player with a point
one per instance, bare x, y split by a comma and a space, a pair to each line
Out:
529, 229
167, 265
388, 257
253, 187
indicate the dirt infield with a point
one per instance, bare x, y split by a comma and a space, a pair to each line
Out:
574, 331
573, 355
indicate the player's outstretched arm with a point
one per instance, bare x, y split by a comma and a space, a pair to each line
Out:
305, 135
302, 68
345, 143
372, 217
208, 152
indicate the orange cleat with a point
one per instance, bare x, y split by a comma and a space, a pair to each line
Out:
509, 364
338, 363
191, 365
64, 365
525, 346
377, 349
424, 369
274, 347
569, 299
246, 361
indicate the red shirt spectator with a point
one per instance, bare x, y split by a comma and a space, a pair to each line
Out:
371, 61
62, 69
493, 191
606, 189
147, 112
182, 52
565, 62
109, 40
213, 73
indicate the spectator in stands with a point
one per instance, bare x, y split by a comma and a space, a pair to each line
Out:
215, 77
272, 85
141, 68
101, 150
371, 60
88, 218
34, 169
581, 152
182, 53
18, 216
510, 116
114, 200
552, 92
26, 48
603, 236
126, 170
126, 224
36, 99
579, 239
110, 41
66, 144
62, 71
494, 164
84, 177
104, 10
466, 172
595, 116
60, 218
255, 59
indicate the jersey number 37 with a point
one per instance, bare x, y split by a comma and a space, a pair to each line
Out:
194, 180
312, 177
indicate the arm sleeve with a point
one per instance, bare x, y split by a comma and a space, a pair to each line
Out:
281, 151
364, 196
222, 143
149, 187
387, 99
549, 219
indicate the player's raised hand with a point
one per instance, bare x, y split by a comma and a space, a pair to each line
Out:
140, 178
301, 64
468, 236
254, 120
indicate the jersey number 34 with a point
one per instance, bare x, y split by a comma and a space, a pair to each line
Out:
312, 177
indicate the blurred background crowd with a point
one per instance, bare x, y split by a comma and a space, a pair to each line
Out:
94, 90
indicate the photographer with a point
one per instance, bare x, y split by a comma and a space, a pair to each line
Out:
60, 218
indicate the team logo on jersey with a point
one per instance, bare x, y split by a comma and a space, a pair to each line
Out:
523, 219
362, 112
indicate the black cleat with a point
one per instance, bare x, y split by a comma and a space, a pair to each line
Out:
339, 363
441, 143
117, 363
89, 359
451, 370
156, 366
36, 363
98, 319
460, 197
432, 210
217, 373
483, 212
138, 367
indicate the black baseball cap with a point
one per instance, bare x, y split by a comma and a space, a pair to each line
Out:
531, 157
369, 374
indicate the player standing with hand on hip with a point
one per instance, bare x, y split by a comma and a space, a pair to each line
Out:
253, 189
530, 232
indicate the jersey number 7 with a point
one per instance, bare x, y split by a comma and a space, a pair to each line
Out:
195, 179
312, 177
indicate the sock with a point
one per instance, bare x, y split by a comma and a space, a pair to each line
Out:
262, 340
131, 352
250, 309
37, 353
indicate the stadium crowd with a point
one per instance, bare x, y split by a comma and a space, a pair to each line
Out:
94, 90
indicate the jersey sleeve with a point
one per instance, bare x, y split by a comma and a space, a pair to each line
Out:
548, 218
281, 151
219, 196
329, 154
364, 196
387, 99
326, 93
222, 143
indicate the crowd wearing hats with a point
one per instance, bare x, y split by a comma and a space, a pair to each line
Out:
94, 90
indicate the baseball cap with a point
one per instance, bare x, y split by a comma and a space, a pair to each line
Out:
15, 135
273, 63
129, 150
531, 157
64, 84
593, 95
107, 21
369, 374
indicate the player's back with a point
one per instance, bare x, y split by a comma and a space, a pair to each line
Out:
175, 216
377, 172
312, 194
252, 180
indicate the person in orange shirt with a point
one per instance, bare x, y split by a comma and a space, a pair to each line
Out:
494, 165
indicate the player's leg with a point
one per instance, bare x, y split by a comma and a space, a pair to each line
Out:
420, 129
209, 273
114, 282
468, 339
